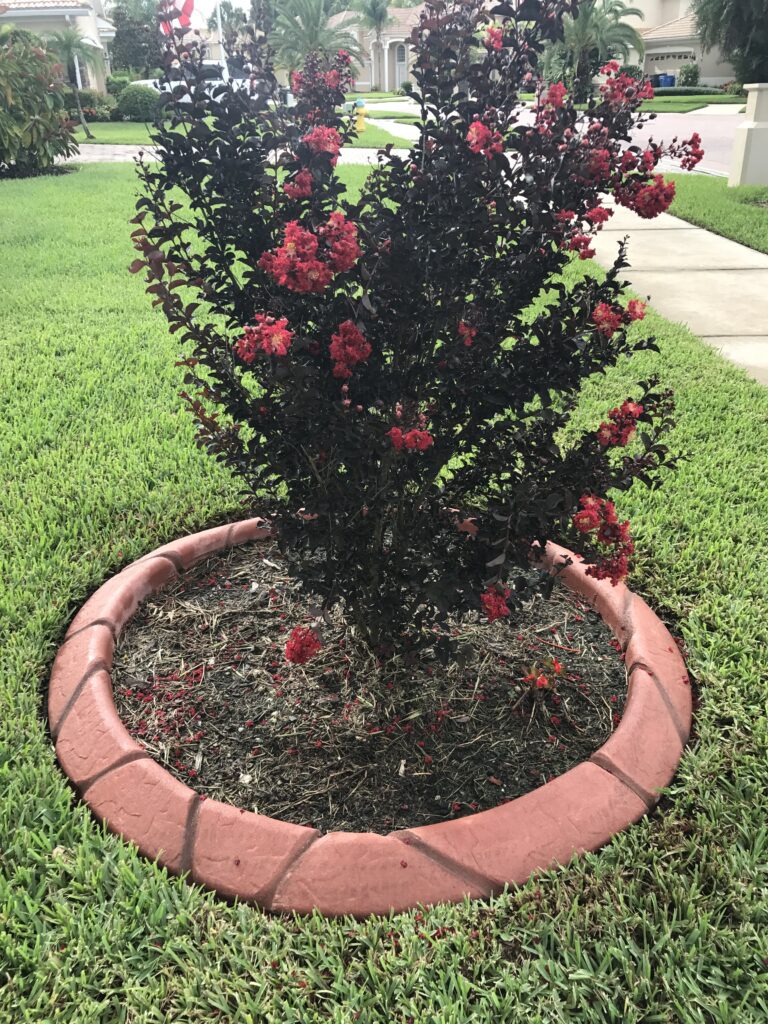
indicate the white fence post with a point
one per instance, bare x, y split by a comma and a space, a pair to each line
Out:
750, 147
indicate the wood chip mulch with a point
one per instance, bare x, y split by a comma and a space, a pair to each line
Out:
345, 742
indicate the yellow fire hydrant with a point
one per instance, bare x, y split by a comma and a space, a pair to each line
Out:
360, 112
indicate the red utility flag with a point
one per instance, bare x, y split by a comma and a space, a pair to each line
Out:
177, 17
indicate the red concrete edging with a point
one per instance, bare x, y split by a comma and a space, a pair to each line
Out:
285, 867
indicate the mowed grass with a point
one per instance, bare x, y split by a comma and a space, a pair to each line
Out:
686, 103
394, 115
666, 924
133, 133
739, 213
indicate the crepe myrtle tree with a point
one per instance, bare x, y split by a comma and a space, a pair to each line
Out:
376, 371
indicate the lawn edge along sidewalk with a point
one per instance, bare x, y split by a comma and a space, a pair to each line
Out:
285, 867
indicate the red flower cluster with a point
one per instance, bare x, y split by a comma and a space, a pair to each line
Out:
647, 200
348, 347
622, 425
600, 164
341, 238
599, 515
300, 186
467, 334
332, 79
494, 38
269, 335
636, 309
494, 603
416, 440
565, 216
621, 88
482, 140
582, 244
555, 94
598, 215
324, 140
694, 152
607, 318
302, 644
537, 682
296, 264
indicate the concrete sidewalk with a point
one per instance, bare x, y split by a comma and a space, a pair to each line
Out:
715, 286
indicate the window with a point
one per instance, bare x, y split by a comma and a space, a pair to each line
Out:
400, 54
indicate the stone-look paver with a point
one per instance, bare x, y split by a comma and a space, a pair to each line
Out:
286, 867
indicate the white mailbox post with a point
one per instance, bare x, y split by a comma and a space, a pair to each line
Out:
750, 147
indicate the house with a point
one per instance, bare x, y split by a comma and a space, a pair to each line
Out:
46, 16
671, 40
386, 65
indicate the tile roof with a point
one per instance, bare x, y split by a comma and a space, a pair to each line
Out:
43, 5
678, 28
402, 20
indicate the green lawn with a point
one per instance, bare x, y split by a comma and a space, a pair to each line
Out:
394, 115
665, 925
738, 213
373, 97
115, 133
130, 133
685, 104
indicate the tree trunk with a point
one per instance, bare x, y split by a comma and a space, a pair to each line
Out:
582, 79
379, 51
81, 115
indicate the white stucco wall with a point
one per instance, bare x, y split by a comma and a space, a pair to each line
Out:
46, 24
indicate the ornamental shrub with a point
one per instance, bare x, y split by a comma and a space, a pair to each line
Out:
88, 98
34, 126
138, 103
394, 378
633, 70
688, 90
117, 84
688, 75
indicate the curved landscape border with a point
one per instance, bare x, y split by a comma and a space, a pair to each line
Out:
285, 867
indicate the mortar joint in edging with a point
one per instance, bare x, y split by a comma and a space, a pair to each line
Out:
96, 622
268, 893
649, 799
136, 755
190, 835
97, 666
680, 729
456, 867
171, 557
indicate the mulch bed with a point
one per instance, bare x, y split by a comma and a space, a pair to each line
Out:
344, 742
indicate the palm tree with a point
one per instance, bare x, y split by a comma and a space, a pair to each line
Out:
740, 29
303, 26
70, 47
597, 33
233, 21
374, 15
